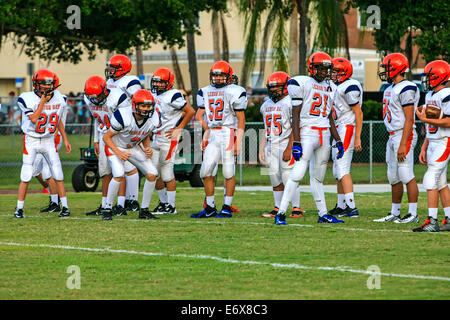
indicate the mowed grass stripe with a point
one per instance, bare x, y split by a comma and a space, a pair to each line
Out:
228, 260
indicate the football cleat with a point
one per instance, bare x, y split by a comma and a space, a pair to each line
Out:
280, 218
208, 212
169, 209
272, 213
106, 214
234, 209
297, 212
328, 219
52, 207
430, 225
144, 213
132, 205
445, 226
336, 211
95, 212
390, 217
18, 213
225, 212
407, 219
160, 208
118, 210
348, 212
64, 212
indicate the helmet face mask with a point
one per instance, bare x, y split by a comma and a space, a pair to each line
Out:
342, 70
321, 71
220, 74
234, 79
277, 86
95, 90
384, 74
276, 92
162, 81
393, 64
144, 109
111, 71
44, 82
98, 99
117, 66
436, 73
219, 79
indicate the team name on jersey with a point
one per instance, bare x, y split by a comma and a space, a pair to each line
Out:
99, 108
387, 94
51, 107
137, 133
321, 88
273, 108
215, 93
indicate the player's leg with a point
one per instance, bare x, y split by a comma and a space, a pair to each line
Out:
118, 175
157, 159
406, 175
444, 193
272, 163
168, 177
132, 187
340, 206
228, 171
47, 180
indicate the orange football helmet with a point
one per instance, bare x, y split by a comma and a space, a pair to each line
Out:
95, 90
342, 70
393, 65
220, 68
319, 66
162, 80
435, 73
47, 78
117, 66
143, 98
277, 85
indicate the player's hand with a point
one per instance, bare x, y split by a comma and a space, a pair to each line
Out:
421, 114
262, 156
237, 149
423, 157
68, 146
401, 153
148, 152
287, 154
173, 134
204, 143
297, 150
123, 155
358, 147
341, 150
97, 149
46, 96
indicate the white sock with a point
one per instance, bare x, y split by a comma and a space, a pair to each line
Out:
162, 195
447, 212
350, 200
113, 189
341, 201
277, 196
433, 212
319, 196
103, 202
121, 201
228, 201
54, 198
413, 209
64, 202
133, 186
289, 190
395, 210
171, 196
20, 204
210, 201
147, 192
296, 198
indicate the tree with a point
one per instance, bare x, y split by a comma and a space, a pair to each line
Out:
39, 26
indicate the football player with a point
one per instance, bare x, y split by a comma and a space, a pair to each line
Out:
102, 102
276, 146
400, 101
224, 104
175, 112
312, 98
116, 72
348, 116
128, 139
435, 150
41, 112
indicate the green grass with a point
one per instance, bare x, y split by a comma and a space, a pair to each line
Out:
32, 272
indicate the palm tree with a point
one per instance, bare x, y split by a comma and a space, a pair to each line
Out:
176, 68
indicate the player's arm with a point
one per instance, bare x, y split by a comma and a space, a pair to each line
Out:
96, 138
444, 122
62, 131
146, 146
262, 146
423, 152
288, 151
408, 110
240, 132
358, 125
37, 113
336, 137
107, 139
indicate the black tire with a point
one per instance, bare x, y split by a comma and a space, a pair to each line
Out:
194, 178
85, 178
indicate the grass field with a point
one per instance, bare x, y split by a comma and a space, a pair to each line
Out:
246, 257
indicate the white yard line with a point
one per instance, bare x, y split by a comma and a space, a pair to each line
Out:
223, 260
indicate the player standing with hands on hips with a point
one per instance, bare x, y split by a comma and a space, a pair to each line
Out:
435, 150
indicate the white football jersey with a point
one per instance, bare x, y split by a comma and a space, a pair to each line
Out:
220, 104
277, 120
316, 99
102, 113
170, 104
348, 94
439, 99
129, 132
396, 97
128, 84
47, 123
